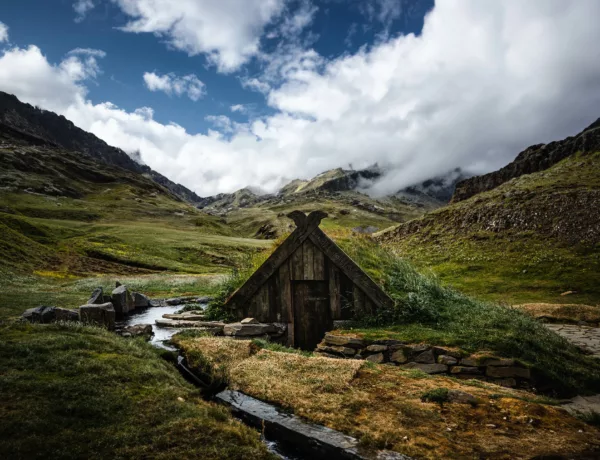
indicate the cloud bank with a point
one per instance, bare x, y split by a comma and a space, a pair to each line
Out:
483, 81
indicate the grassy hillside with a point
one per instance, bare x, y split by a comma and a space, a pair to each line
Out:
528, 240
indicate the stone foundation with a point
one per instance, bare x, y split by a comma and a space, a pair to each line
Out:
429, 359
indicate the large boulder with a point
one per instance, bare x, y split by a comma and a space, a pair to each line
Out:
97, 297
122, 301
65, 314
99, 314
140, 300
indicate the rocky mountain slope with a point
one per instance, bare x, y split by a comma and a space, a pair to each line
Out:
533, 159
530, 237
45, 127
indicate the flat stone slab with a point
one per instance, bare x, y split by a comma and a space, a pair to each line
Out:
187, 316
585, 337
582, 404
179, 323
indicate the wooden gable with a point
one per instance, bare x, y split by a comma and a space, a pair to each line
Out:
308, 282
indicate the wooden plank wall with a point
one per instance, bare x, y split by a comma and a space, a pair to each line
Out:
272, 302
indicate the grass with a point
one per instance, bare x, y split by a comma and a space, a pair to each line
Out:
562, 313
70, 391
526, 241
382, 405
427, 311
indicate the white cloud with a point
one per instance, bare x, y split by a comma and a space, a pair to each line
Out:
172, 84
227, 31
483, 81
82, 7
3, 32
88, 52
241, 108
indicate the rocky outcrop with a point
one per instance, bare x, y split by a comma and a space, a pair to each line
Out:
102, 315
533, 159
429, 359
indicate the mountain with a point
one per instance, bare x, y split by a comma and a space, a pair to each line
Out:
525, 233
533, 159
43, 126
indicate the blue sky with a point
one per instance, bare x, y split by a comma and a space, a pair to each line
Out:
222, 94
338, 27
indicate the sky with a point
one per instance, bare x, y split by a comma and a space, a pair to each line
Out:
222, 94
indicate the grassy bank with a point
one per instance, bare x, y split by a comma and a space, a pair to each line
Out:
384, 407
79, 392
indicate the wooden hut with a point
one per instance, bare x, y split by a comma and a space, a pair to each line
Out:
307, 283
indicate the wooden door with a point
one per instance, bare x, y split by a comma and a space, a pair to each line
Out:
312, 313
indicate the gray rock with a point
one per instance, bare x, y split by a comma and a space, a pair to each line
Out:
174, 301
427, 368
249, 321
469, 362
426, 357
377, 348
65, 314
399, 356
117, 284
447, 360
97, 297
42, 315
138, 330
342, 340
417, 348
122, 301
377, 358
248, 330
186, 316
140, 300
204, 299
181, 323
499, 362
99, 314
447, 352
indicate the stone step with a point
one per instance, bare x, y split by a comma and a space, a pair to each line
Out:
180, 323
186, 316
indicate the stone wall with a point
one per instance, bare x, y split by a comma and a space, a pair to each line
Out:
429, 359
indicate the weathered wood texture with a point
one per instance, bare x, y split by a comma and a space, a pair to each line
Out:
307, 283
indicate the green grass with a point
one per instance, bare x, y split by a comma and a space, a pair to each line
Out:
548, 243
427, 311
70, 391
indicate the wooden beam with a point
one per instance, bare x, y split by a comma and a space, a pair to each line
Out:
349, 267
335, 296
308, 260
320, 273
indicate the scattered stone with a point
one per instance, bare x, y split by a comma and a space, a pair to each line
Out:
418, 348
462, 397
503, 372
464, 370
97, 296
248, 330
140, 300
249, 321
122, 301
377, 358
427, 368
117, 284
425, 357
399, 356
448, 352
377, 348
98, 314
490, 425
343, 340
447, 360
174, 301
204, 299
139, 330
569, 293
